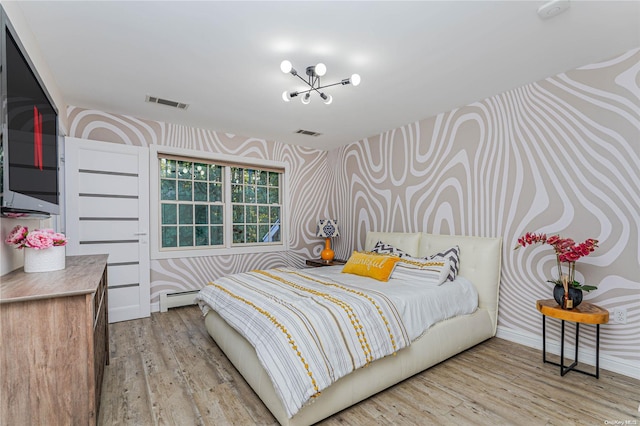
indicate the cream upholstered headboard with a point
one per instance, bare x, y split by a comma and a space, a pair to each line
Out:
480, 259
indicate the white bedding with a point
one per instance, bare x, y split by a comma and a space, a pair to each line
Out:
420, 304
316, 310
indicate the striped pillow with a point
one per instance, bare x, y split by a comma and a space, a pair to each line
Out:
453, 255
434, 270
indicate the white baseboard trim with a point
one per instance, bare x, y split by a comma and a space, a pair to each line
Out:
586, 356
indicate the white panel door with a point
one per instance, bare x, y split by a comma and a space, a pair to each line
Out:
107, 211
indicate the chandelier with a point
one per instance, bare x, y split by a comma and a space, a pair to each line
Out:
314, 72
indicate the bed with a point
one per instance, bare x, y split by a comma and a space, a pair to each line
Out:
479, 263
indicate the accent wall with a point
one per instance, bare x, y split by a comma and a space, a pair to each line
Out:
559, 156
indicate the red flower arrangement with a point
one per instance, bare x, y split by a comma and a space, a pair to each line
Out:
567, 251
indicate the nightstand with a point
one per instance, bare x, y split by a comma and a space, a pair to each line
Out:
319, 262
586, 313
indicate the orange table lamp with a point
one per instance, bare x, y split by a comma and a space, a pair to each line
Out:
327, 228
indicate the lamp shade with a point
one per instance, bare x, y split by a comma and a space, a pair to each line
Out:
327, 228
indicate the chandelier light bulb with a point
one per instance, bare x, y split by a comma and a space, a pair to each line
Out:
355, 79
285, 96
286, 67
321, 69
306, 99
328, 100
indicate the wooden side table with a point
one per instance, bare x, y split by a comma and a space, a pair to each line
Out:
585, 313
320, 262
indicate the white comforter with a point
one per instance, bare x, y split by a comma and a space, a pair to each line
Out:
310, 327
421, 304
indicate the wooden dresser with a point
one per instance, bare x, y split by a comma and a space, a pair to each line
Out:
54, 343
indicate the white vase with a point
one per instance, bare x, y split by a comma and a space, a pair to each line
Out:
44, 260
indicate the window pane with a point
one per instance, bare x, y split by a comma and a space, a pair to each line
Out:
263, 178
200, 171
263, 233
274, 179
169, 214
237, 194
215, 173
185, 214
167, 168
250, 176
262, 195
274, 214
274, 197
263, 214
215, 192
238, 233
238, 214
216, 213
184, 190
201, 214
169, 236
167, 189
217, 235
200, 191
250, 194
236, 175
185, 236
252, 234
251, 216
185, 170
275, 231
202, 235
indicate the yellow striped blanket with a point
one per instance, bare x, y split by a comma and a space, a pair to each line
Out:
307, 331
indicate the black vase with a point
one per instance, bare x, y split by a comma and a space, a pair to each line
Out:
575, 294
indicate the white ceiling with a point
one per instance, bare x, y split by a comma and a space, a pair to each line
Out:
416, 59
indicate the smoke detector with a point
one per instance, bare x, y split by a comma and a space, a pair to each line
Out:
552, 8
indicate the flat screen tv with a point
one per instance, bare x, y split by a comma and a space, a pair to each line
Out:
29, 133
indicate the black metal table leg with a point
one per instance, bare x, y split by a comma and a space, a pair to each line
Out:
597, 351
577, 342
544, 339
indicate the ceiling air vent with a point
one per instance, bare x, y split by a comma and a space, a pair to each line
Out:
307, 132
167, 102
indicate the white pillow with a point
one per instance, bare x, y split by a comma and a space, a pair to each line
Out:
435, 269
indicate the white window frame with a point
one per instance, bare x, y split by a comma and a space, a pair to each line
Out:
229, 248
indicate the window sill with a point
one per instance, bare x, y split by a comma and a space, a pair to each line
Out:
224, 251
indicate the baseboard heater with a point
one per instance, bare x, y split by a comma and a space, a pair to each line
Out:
174, 300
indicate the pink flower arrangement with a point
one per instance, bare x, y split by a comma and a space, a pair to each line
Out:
39, 239
567, 251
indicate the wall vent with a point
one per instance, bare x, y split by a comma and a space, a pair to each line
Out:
167, 102
307, 132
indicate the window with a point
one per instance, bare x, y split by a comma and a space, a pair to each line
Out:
207, 205
191, 204
255, 201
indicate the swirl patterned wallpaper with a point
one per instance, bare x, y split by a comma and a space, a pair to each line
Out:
561, 155
558, 156
307, 170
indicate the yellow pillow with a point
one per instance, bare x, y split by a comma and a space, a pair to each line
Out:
376, 266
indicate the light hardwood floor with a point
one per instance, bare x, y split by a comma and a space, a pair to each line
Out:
166, 370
